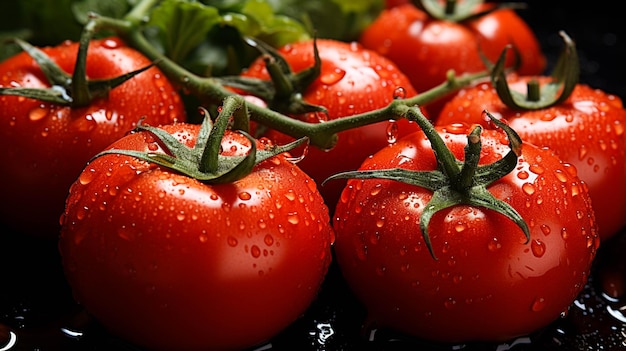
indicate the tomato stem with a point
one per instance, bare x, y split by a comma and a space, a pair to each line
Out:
321, 135
565, 77
454, 182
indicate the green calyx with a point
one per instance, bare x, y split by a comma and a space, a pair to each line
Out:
69, 90
459, 11
283, 92
204, 161
565, 77
454, 182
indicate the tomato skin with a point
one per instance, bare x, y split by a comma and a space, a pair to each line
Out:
425, 48
486, 284
170, 263
587, 130
45, 146
353, 80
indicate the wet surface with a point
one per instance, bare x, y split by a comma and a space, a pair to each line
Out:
37, 311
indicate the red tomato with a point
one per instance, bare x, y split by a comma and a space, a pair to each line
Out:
487, 283
45, 146
586, 130
170, 263
353, 80
425, 48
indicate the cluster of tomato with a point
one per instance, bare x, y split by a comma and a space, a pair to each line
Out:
444, 221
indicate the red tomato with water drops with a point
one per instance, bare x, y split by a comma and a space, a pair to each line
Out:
44, 146
425, 48
586, 130
353, 80
167, 262
486, 283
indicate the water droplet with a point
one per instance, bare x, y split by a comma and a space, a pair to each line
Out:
494, 245
87, 176
528, 188
244, 195
293, 218
449, 303
269, 240
538, 304
538, 248
332, 77
255, 251
392, 132
110, 44
232, 241
290, 195
399, 93
37, 114
545, 229
537, 169
87, 124
261, 224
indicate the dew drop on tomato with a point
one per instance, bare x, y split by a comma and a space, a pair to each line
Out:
86, 124
255, 251
37, 114
232, 241
399, 93
87, 176
528, 188
332, 77
538, 304
110, 44
494, 245
293, 218
538, 248
392, 132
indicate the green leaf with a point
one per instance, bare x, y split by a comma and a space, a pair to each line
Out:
335, 19
184, 25
109, 8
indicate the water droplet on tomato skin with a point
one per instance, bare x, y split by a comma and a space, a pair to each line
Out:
332, 76
538, 304
37, 114
232, 241
538, 248
392, 132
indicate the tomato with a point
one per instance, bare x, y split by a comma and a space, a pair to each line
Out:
586, 130
168, 262
353, 80
44, 146
486, 281
425, 47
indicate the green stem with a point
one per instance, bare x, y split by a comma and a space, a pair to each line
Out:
140, 11
322, 135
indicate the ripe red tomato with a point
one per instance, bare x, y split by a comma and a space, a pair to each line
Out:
425, 48
45, 146
353, 80
170, 263
586, 130
487, 283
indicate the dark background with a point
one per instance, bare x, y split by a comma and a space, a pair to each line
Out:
599, 30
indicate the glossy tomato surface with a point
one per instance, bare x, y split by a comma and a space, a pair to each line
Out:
487, 283
587, 130
45, 146
426, 48
353, 80
169, 263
